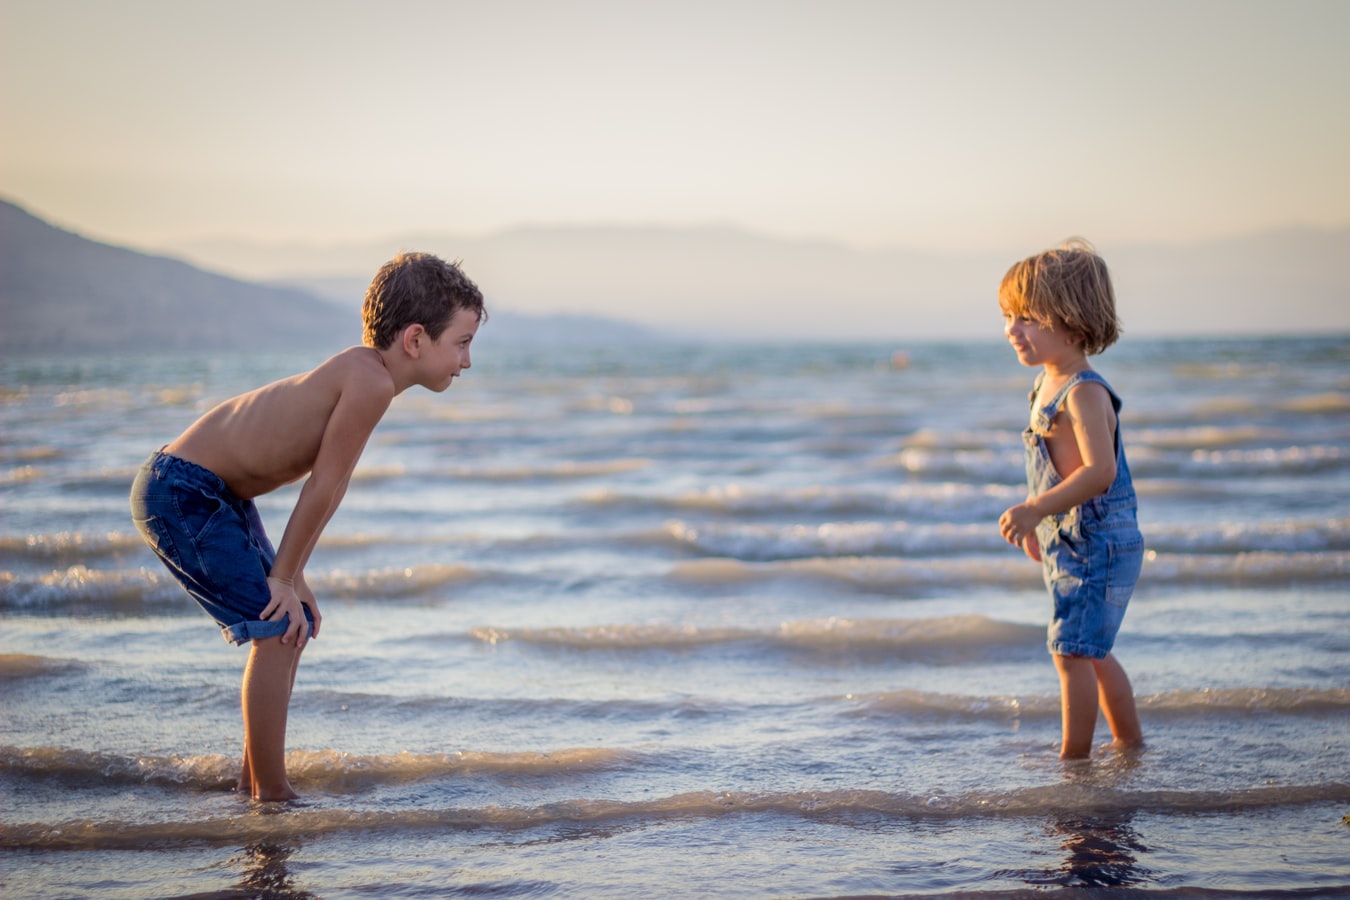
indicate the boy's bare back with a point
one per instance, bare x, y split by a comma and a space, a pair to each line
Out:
316, 421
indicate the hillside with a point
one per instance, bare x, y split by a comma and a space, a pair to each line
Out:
63, 292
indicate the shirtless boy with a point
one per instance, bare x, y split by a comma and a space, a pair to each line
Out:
193, 500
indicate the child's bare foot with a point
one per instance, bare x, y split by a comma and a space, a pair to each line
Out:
283, 792
1120, 746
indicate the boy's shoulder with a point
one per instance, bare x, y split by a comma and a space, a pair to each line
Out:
355, 365
357, 373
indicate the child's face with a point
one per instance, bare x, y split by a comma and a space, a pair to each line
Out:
1037, 344
448, 355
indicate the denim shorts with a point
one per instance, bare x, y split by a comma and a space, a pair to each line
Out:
211, 541
1091, 576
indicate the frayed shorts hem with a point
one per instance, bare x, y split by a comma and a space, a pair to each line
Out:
255, 630
1059, 648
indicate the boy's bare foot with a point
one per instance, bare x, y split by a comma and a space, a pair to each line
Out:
245, 787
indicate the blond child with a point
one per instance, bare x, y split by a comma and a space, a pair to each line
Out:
193, 500
1079, 517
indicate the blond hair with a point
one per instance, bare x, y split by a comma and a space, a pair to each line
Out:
1067, 288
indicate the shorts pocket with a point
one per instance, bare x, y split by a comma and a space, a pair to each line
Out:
197, 512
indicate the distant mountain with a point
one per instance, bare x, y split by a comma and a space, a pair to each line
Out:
63, 292
719, 282
504, 327
599, 285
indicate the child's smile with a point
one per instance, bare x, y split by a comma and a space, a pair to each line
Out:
1040, 345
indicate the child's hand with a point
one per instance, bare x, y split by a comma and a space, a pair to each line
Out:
285, 601
1032, 547
1018, 523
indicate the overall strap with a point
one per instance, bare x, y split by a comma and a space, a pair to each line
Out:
1081, 378
1042, 417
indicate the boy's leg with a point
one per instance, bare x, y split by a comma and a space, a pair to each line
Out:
1078, 704
1117, 699
266, 697
245, 785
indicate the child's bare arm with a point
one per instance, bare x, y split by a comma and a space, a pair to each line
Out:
360, 406
1091, 418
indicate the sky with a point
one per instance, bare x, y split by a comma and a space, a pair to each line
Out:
941, 127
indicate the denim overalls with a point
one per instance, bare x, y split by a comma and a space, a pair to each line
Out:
1092, 554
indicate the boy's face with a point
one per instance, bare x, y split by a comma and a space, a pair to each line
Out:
1037, 344
448, 355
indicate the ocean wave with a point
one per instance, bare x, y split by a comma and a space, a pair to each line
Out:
1013, 571
765, 542
1169, 704
69, 546
21, 474
1285, 701
1287, 536
929, 635
14, 666
288, 822
323, 771
553, 471
390, 583
29, 454
1244, 408
1317, 404
974, 465
1200, 437
84, 591
1299, 460
950, 500
1258, 568
769, 542
947, 440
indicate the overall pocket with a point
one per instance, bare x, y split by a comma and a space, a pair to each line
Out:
1125, 560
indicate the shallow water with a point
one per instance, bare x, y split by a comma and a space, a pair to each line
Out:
723, 621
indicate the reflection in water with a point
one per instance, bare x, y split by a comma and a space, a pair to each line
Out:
1099, 851
266, 874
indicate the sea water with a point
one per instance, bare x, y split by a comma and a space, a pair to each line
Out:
690, 620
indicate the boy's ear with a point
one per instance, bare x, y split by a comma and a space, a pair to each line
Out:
412, 339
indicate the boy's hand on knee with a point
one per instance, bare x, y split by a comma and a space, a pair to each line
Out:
285, 602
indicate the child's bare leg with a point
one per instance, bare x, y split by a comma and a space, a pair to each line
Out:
1078, 704
266, 698
1117, 699
245, 785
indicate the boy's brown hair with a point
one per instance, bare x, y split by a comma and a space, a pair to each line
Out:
416, 289
1067, 288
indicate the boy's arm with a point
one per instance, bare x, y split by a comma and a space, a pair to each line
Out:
1089, 413
359, 408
